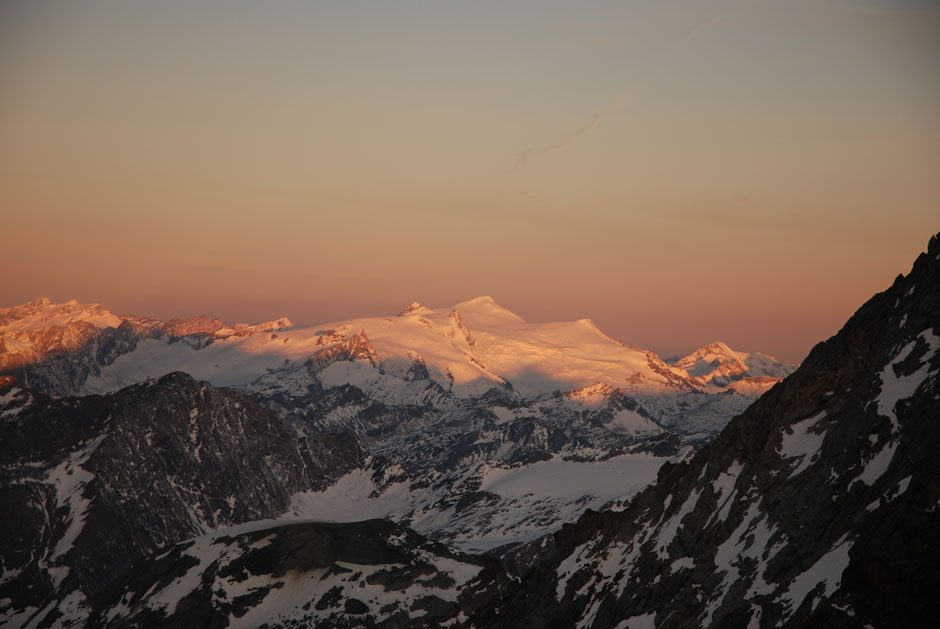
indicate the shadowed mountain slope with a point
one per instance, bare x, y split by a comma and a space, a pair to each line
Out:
818, 506
91, 484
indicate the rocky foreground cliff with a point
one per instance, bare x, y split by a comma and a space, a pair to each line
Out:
819, 506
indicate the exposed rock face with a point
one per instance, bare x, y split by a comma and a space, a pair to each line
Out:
460, 333
818, 506
356, 347
362, 574
195, 325
59, 358
92, 484
413, 308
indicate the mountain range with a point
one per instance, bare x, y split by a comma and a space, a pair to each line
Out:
468, 349
191, 473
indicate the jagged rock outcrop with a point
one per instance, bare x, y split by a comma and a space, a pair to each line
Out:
349, 348
459, 333
195, 325
92, 484
818, 506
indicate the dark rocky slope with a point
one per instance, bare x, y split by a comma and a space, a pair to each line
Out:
818, 506
89, 485
314, 574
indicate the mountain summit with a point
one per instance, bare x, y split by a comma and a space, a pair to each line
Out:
719, 366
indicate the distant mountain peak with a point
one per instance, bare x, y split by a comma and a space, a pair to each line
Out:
247, 329
486, 307
589, 323
199, 324
480, 302
414, 307
44, 313
718, 365
483, 299
718, 346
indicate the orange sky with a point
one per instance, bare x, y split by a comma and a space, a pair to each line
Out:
744, 171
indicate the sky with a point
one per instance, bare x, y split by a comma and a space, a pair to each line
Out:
683, 172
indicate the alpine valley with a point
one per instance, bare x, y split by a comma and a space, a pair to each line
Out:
462, 467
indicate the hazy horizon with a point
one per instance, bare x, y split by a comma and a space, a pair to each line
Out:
745, 171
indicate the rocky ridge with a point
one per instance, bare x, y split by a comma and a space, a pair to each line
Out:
92, 484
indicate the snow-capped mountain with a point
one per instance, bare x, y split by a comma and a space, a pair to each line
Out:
44, 313
468, 348
469, 351
719, 366
56, 348
437, 451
